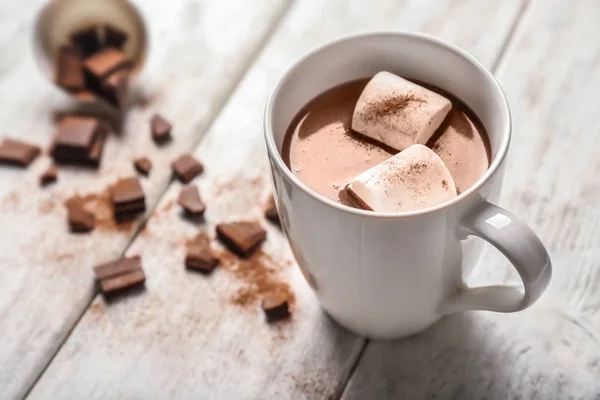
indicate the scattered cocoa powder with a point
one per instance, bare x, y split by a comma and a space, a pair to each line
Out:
100, 205
445, 184
259, 275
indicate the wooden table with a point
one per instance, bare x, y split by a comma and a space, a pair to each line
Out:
211, 67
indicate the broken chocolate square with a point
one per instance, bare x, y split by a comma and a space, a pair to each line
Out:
121, 274
190, 201
128, 196
16, 152
80, 220
200, 256
143, 165
87, 41
243, 237
187, 168
115, 87
102, 64
69, 69
79, 140
160, 129
114, 37
276, 306
49, 176
271, 210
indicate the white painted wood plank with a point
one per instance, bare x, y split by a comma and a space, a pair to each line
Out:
551, 76
46, 280
183, 338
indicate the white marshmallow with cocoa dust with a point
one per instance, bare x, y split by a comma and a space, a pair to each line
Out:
397, 112
414, 179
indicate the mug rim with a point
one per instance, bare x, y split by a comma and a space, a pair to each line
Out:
275, 155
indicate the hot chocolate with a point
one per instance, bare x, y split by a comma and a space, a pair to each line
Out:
321, 148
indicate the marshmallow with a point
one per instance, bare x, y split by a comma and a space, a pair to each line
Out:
413, 179
397, 112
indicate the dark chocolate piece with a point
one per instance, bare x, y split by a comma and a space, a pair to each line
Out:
276, 306
243, 237
128, 196
121, 282
76, 135
114, 37
16, 152
118, 267
87, 41
160, 129
49, 176
143, 165
69, 69
80, 220
116, 86
190, 201
271, 211
187, 168
200, 256
96, 153
105, 62
79, 140
121, 274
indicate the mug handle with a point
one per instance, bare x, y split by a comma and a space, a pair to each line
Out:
520, 245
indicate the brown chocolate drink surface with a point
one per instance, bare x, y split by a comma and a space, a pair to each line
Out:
323, 151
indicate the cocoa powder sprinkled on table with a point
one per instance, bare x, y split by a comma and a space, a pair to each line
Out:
100, 205
259, 275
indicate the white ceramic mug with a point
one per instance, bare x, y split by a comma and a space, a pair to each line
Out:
392, 275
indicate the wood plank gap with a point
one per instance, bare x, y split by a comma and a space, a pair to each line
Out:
233, 87
525, 9
357, 359
520, 21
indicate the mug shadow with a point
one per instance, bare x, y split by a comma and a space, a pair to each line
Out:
537, 354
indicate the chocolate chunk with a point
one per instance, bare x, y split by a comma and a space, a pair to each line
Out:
114, 37
121, 274
128, 196
160, 129
143, 165
187, 168
105, 62
116, 86
271, 210
276, 306
80, 220
87, 41
118, 267
121, 282
131, 208
16, 152
76, 135
190, 200
49, 176
200, 256
243, 237
79, 140
69, 69
96, 152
